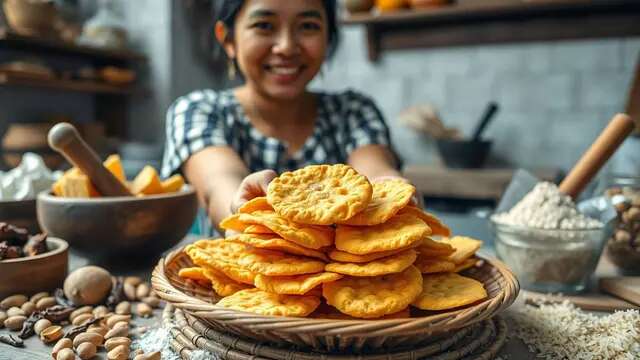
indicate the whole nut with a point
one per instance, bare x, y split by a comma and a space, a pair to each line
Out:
65, 354
98, 329
13, 300
124, 324
14, 323
3, 317
156, 355
123, 308
79, 311
129, 291
117, 332
15, 311
120, 352
95, 339
34, 299
154, 302
51, 334
100, 311
46, 303
64, 343
144, 310
86, 350
117, 318
116, 341
142, 291
41, 325
81, 319
623, 236
133, 280
28, 308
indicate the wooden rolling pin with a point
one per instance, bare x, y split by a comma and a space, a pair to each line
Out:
65, 139
597, 155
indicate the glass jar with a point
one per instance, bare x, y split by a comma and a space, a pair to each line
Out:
623, 247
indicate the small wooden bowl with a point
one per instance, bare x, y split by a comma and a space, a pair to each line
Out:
30, 275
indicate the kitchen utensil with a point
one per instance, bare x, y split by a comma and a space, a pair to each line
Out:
487, 116
65, 139
588, 301
620, 126
30, 275
624, 287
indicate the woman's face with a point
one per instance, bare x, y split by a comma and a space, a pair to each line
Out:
279, 45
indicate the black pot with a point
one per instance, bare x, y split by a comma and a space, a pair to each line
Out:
464, 153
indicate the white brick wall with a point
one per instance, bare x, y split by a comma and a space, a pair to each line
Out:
555, 96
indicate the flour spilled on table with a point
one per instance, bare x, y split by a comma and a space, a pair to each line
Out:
563, 331
159, 339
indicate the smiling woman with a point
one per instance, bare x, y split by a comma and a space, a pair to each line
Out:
231, 143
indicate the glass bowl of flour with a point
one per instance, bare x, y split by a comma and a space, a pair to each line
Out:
548, 242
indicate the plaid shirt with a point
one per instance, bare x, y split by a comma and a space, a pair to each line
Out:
203, 118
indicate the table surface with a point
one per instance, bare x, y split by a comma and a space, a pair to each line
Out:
465, 224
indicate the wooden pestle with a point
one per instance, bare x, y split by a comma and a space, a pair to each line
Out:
65, 139
597, 155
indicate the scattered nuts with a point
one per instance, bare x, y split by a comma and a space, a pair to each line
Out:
116, 341
117, 318
150, 356
117, 332
65, 354
124, 308
15, 311
133, 280
144, 310
152, 301
86, 350
95, 339
100, 311
83, 310
28, 308
14, 323
81, 319
34, 299
13, 300
98, 329
129, 291
3, 317
142, 291
120, 352
41, 325
64, 343
88, 285
51, 334
45, 303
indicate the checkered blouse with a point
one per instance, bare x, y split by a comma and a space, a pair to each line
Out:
205, 118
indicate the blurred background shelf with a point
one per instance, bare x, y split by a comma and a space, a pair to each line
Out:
83, 86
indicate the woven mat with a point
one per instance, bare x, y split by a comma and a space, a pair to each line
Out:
480, 342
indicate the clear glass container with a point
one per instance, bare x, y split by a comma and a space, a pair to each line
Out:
547, 260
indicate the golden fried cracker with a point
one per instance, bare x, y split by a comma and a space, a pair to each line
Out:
371, 297
388, 198
257, 229
399, 232
431, 247
273, 242
222, 255
388, 265
468, 263
265, 303
221, 283
428, 265
343, 256
447, 291
255, 204
194, 273
276, 263
437, 227
232, 222
294, 285
307, 236
320, 194
465, 247
325, 311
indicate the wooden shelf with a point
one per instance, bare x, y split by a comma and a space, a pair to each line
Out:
91, 87
14, 40
498, 21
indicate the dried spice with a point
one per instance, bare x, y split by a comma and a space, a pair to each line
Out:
28, 325
117, 293
36, 245
13, 235
79, 329
11, 340
9, 251
58, 313
62, 299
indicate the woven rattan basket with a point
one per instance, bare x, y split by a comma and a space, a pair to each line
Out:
327, 334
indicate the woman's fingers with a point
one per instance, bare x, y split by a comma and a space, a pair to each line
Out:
254, 185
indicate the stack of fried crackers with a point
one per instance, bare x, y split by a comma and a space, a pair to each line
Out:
327, 243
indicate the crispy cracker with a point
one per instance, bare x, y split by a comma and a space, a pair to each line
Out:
265, 303
343, 256
274, 242
428, 265
221, 283
307, 236
437, 227
388, 198
222, 255
388, 265
448, 291
468, 263
399, 232
257, 229
320, 194
194, 273
373, 297
276, 263
465, 247
294, 285
255, 204
232, 222
433, 248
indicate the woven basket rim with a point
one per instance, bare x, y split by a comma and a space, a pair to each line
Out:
199, 308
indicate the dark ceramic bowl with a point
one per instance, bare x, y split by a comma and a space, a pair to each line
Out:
20, 213
464, 153
119, 226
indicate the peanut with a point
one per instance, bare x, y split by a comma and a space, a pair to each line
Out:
100, 311
129, 291
150, 356
15, 311
41, 325
154, 302
98, 329
144, 310
95, 339
81, 319
45, 303
120, 352
13, 300
79, 311
133, 280
14, 323
86, 350
117, 332
117, 318
113, 342
64, 343
142, 291
34, 299
51, 334
123, 308
65, 354
28, 308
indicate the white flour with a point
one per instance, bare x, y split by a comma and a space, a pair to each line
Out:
545, 207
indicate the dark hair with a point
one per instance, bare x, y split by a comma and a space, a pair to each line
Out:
229, 10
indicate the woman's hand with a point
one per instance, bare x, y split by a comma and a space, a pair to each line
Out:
252, 186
